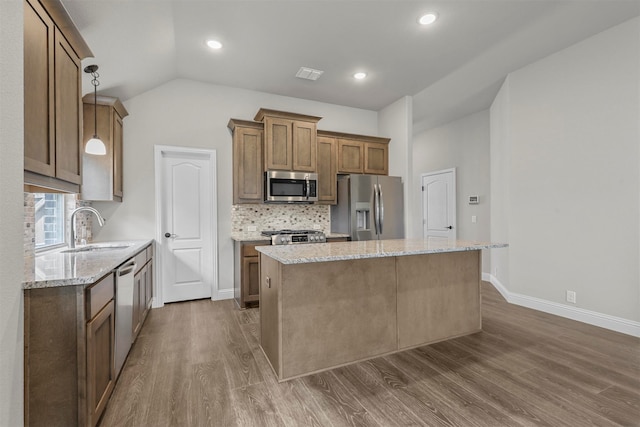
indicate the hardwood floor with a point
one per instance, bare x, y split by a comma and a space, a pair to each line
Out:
199, 364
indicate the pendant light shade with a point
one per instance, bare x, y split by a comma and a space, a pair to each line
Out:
95, 144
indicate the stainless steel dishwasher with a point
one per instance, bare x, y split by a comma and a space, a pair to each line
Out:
124, 311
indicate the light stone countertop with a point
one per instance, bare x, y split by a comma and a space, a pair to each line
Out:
341, 251
55, 268
255, 236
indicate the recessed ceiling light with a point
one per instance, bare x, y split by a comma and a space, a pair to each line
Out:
360, 75
428, 19
214, 44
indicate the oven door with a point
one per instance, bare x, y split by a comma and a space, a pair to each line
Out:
290, 187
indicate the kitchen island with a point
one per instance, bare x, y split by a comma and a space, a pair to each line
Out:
328, 305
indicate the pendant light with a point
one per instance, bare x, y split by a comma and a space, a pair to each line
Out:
95, 144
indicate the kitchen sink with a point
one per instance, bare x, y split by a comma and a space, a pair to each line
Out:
95, 248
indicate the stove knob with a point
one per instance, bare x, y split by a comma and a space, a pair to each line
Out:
283, 239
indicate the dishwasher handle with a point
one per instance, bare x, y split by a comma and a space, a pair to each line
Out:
127, 268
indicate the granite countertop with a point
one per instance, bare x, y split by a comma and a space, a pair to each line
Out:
56, 268
340, 251
255, 236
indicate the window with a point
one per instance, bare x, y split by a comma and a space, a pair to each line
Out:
49, 221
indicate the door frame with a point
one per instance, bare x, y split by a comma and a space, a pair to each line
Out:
455, 199
158, 284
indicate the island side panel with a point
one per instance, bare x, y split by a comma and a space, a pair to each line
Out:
438, 297
336, 312
270, 311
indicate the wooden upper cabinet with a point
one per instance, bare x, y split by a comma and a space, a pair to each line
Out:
304, 146
39, 101
290, 140
68, 93
247, 161
118, 136
102, 175
53, 49
376, 158
350, 156
362, 154
327, 170
278, 147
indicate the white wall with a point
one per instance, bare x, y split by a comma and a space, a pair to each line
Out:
462, 144
193, 114
11, 213
395, 121
565, 136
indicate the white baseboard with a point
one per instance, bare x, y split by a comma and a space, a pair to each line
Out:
223, 294
606, 321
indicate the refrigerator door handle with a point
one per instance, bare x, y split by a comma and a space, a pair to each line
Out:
375, 207
380, 208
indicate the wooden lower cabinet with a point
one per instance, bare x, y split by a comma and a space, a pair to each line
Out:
69, 347
101, 375
142, 290
69, 353
358, 309
246, 288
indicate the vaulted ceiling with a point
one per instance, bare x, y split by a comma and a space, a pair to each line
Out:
451, 68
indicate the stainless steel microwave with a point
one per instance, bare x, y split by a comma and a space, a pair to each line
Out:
290, 187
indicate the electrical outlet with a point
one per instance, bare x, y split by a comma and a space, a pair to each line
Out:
317, 226
474, 219
252, 228
571, 297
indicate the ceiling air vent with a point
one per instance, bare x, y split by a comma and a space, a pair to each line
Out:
308, 73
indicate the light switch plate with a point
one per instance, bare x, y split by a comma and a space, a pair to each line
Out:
252, 228
474, 219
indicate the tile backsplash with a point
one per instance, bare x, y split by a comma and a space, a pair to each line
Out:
277, 217
83, 226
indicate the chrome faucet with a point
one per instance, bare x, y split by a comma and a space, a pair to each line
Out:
101, 220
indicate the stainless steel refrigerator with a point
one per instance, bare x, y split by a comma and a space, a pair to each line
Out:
370, 207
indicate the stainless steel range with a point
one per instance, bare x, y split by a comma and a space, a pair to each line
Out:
293, 237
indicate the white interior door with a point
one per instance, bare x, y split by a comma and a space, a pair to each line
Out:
439, 204
187, 222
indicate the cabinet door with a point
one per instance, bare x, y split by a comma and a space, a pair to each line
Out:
247, 165
327, 170
100, 362
278, 146
350, 156
376, 158
39, 101
68, 111
251, 279
137, 315
149, 285
118, 131
304, 146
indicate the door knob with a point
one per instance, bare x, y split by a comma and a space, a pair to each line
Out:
169, 235
450, 227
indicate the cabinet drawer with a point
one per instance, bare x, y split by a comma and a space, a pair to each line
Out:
250, 250
98, 295
141, 259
